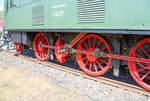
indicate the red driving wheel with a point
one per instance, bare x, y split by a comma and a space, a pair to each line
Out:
40, 52
19, 48
90, 64
141, 71
60, 56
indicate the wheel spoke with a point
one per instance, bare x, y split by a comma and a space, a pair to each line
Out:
99, 44
139, 70
140, 63
40, 54
83, 48
103, 49
43, 54
144, 51
43, 38
145, 75
84, 58
102, 60
40, 38
90, 66
87, 63
85, 45
89, 42
138, 55
43, 51
94, 42
99, 64
95, 67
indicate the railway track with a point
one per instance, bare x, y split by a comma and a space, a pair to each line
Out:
80, 73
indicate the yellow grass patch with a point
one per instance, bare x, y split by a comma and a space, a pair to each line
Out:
20, 85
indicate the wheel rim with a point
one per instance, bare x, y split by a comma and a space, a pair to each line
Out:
40, 52
19, 48
141, 71
92, 65
60, 56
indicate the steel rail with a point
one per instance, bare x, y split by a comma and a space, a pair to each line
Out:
107, 81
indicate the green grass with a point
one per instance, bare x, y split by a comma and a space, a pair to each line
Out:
1, 15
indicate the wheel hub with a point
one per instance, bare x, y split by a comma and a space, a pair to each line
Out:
40, 46
91, 58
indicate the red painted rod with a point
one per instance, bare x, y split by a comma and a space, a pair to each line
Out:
128, 58
116, 56
84, 52
53, 47
77, 39
107, 55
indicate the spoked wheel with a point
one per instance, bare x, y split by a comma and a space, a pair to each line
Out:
40, 52
90, 64
141, 71
19, 48
60, 56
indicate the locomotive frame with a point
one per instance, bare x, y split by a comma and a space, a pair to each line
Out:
97, 31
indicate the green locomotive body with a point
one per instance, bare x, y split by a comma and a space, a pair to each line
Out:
77, 14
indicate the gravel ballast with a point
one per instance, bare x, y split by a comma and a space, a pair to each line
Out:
92, 90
